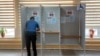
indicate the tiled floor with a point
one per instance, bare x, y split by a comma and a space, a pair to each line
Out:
50, 53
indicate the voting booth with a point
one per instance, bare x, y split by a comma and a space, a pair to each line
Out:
61, 27
72, 27
26, 13
51, 28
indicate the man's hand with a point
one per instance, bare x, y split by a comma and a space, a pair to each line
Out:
38, 29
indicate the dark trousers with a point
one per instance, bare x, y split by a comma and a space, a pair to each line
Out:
31, 38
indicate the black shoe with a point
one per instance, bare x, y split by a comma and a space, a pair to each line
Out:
28, 54
35, 55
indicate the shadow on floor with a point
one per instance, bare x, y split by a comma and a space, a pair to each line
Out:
66, 52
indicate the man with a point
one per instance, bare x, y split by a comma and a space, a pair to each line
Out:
31, 28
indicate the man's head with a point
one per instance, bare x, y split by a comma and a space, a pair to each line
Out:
31, 18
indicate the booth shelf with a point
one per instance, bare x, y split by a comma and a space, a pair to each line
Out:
51, 32
70, 36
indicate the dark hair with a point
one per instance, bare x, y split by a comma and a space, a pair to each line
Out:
31, 18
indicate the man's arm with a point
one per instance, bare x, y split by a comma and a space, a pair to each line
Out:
25, 25
38, 28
